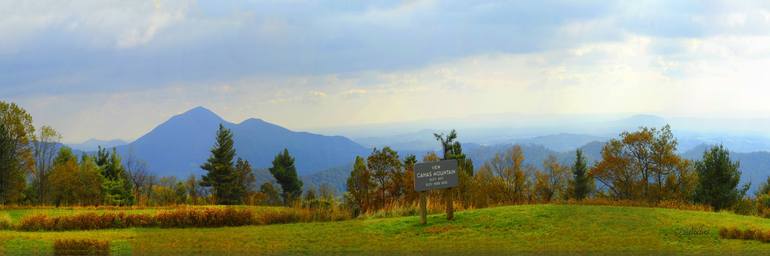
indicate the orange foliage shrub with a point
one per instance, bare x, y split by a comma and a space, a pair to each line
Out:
81, 247
180, 218
748, 234
209, 217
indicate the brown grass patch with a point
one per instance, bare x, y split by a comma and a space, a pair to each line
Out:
81, 247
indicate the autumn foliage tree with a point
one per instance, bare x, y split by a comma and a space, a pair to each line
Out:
639, 164
385, 168
16, 135
360, 186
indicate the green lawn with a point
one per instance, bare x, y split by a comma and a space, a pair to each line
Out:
528, 229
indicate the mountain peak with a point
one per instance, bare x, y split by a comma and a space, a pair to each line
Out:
199, 110
200, 114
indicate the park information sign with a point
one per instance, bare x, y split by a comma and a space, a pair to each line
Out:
435, 175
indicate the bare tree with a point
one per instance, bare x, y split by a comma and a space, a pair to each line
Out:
139, 175
45, 147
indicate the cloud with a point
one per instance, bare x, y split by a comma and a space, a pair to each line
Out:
86, 66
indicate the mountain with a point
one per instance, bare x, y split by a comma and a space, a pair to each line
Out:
94, 144
561, 142
180, 145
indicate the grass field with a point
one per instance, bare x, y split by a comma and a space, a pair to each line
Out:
527, 229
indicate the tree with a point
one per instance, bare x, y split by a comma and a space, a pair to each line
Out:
285, 173
384, 166
117, 186
44, 150
410, 195
360, 186
636, 166
245, 179
719, 178
138, 175
764, 188
272, 196
193, 189
73, 184
452, 149
18, 158
580, 177
90, 180
64, 178
553, 182
220, 171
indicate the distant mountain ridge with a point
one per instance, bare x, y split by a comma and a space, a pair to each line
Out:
94, 144
180, 145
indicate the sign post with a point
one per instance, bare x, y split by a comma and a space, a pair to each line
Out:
435, 175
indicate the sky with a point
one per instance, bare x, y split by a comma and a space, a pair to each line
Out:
115, 69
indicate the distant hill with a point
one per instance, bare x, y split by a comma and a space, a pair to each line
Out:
180, 145
561, 142
336, 177
93, 144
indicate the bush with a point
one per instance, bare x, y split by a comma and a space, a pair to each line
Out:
180, 218
748, 234
5, 222
85, 221
282, 216
34, 223
209, 217
81, 247
745, 207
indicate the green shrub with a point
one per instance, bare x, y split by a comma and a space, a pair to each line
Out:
5, 222
745, 207
81, 247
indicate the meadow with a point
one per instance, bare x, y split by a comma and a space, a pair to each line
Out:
525, 229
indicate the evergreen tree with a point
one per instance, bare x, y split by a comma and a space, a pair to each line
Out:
117, 185
220, 171
245, 179
286, 174
719, 179
579, 173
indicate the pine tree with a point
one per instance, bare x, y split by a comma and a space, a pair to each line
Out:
719, 179
579, 172
220, 169
117, 185
286, 174
245, 179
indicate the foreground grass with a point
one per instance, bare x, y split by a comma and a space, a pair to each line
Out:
528, 229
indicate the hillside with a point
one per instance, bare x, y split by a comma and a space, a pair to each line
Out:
526, 229
180, 145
